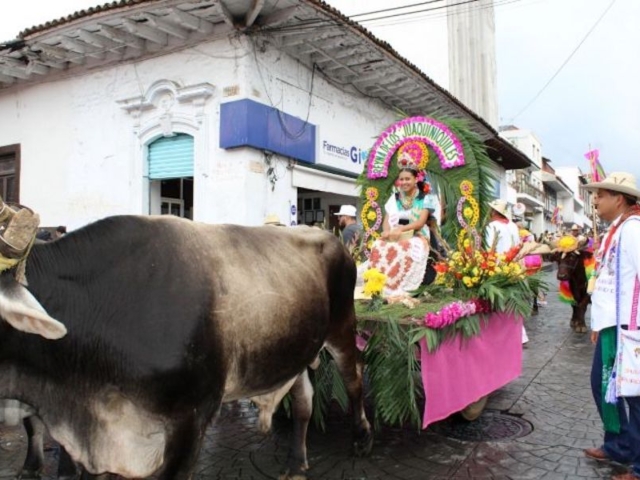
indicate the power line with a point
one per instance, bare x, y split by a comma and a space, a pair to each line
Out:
433, 16
418, 11
395, 8
564, 63
327, 23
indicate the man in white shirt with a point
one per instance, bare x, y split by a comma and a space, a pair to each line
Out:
502, 233
501, 230
617, 264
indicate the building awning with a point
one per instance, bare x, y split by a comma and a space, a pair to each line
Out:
312, 179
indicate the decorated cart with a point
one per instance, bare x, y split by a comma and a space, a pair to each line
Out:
436, 350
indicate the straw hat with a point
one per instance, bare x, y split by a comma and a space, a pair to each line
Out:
568, 243
533, 248
575, 227
501, 207
621, 182
273, 219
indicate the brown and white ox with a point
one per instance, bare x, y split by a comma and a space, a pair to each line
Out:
130, 332
571, 269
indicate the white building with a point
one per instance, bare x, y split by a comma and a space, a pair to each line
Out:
527, 182
557, 192
219, 111
577, 209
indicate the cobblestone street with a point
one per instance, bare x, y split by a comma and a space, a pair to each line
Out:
552, 394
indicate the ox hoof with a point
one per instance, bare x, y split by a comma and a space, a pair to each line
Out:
581, 329
292, 476
28, 475
363, 445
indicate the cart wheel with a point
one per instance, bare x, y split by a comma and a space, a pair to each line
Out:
473, 410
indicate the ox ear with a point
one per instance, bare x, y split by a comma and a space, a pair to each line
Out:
23, 312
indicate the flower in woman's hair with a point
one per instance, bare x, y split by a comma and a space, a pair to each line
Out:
427, 187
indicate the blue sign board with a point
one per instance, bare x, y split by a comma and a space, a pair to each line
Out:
247, 123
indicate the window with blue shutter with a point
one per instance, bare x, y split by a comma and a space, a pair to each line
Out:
171, 157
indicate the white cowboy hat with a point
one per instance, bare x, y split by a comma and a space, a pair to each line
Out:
273, 219
575, 227
347, 211
618, 182
501, 207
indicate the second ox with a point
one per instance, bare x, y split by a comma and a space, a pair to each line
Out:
572, 273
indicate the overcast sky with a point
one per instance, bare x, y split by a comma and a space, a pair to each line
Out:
594, 100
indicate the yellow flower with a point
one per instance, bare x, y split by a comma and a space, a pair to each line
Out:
467, 212
371, 215
372, 193
567, 243
467, 282
374, 281
498, 270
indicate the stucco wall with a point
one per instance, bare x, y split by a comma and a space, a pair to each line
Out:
83, 137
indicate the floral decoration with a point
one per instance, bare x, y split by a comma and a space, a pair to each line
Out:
371, 212
452, 312
468, 216
374, 281
417, 151
566, 244
470, 267
414, 129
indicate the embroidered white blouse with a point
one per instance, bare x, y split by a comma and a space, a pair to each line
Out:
603, 298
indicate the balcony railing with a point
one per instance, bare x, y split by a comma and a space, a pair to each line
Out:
523, 186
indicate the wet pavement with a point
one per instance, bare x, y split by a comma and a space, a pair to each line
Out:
552, 395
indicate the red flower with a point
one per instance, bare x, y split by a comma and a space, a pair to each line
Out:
511, 254
441, 267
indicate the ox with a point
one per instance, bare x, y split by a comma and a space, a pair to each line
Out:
571, 269
133, 330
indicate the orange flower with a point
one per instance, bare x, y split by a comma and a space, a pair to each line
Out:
441, 267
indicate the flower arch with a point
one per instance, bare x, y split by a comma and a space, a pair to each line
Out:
436, 134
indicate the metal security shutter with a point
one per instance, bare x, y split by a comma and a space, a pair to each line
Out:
171, 157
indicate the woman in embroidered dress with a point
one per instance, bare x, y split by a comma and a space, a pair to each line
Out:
407, 210
402, 251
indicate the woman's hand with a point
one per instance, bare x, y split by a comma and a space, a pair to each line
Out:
385, 235
395, 234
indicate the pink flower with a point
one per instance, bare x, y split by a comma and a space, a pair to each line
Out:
449, 314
